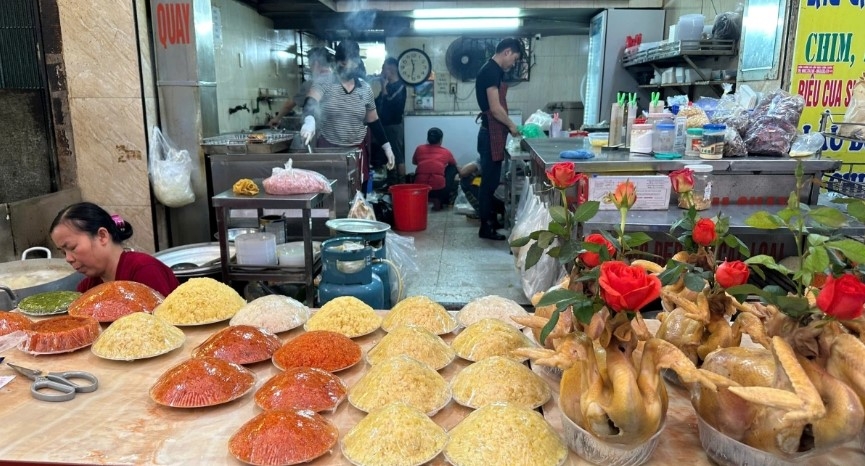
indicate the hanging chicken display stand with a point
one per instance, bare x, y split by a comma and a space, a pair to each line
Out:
373, 234
346, 270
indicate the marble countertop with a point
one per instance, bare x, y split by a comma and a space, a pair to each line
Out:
120, 424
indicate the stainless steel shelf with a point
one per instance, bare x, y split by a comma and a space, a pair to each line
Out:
672, 51
695, 83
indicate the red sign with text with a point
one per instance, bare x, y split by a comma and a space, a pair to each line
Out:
173, 23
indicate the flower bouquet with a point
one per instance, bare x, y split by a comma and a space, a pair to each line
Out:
612, 395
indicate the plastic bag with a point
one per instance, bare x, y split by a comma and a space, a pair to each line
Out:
288, 180
728, 25
734, 146
402, 253
360, 208
695, 117
773, 123
461, 204
543, 275
531, 131
780, 105
855, 113
730, 113
170, 171
807, 144
542, 119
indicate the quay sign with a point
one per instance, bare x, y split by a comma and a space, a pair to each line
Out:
173, 23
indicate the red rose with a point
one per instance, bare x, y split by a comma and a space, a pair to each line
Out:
733, 273
682, 180
625, 195
627, 288
842, 297
592, 259
704, 232
563, 175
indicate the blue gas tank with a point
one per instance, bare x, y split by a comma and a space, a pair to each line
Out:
373, 234
346, 270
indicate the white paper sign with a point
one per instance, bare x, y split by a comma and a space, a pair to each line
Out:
653, 191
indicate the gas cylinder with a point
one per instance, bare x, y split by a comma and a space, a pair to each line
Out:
373, 234
346, 270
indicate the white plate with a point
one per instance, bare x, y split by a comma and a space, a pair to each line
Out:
292, 254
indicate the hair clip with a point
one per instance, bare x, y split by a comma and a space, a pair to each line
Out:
118, 220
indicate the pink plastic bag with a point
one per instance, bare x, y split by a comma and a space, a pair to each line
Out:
288, 180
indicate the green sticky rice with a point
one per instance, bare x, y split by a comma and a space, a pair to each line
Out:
50, 302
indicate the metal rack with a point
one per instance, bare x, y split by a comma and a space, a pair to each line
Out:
683, 49
240, 143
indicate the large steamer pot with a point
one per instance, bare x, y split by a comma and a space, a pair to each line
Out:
65, 277
194, 260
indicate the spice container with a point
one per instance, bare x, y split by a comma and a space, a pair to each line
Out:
701, 196
641, 138
713, 141
693, 142
663, 138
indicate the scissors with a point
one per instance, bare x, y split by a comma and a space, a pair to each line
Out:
57, 386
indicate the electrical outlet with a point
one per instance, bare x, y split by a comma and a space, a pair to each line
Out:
453, 89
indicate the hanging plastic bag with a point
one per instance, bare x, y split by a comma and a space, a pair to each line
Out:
461, 204
288, 180
546, 271
855, 114
402, 254
541, 119
170, 171
360, 208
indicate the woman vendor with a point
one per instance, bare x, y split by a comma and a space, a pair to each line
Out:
345, 106
92, 241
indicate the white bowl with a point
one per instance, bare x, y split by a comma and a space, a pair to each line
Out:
597, 451
292, 255
725, 451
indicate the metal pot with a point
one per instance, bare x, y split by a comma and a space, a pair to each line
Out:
194, 260
10, 272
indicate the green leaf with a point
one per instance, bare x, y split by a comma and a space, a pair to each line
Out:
586, 211
852, 249
817, 260
787, 213
549, 326
636, 239
828, 216
817, 240
520, 242
554, 251
793, 306
612, 239
545, 239
559, 214
570, 250
793, 201
857, 210
559, 296
694, 282
533, 255
671, 273
764, 221
735, 243
768, 262
584, 311
746, 289
560, 230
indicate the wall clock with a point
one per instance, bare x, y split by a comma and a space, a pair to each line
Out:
414, 66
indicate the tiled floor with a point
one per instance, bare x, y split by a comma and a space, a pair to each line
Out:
456, 266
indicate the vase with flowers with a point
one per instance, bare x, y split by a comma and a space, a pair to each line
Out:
611, 393
801, 394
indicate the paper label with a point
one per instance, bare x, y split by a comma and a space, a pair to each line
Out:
5, 380
653, 191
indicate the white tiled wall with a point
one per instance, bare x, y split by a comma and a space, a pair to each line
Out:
559, 63
251, 55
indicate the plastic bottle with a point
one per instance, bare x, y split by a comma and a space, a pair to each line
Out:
681, 123
556, 126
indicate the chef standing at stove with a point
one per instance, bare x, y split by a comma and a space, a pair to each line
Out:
344, 105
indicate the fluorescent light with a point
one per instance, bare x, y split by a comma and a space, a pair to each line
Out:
466, 23
467, 13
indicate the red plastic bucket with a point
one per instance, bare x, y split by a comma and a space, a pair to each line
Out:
410, 206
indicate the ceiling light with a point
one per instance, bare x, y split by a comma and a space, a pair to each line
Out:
466, 24
467, 13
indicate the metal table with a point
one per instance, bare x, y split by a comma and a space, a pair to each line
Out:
227, 200
514, 160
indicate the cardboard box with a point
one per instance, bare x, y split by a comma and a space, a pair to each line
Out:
653, 191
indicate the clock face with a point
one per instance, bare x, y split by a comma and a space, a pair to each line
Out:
414, 66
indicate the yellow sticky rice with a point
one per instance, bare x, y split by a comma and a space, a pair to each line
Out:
200, 301
404, 379
503, 433
416, 342
136, 336
394, 434
420, 311
499, 379
346, 315
489, 337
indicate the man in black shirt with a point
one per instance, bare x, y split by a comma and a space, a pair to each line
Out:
391, 105
491, 91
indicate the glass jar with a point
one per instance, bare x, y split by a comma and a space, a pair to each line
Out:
641, 138
693, 142
701, 196
663, 138
713, 141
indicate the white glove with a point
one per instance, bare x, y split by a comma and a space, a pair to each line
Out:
307, 131
388, 152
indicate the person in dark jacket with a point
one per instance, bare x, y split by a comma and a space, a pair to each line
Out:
390, 104
436, 167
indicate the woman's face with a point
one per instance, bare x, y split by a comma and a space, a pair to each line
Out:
85, 253
345, 69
